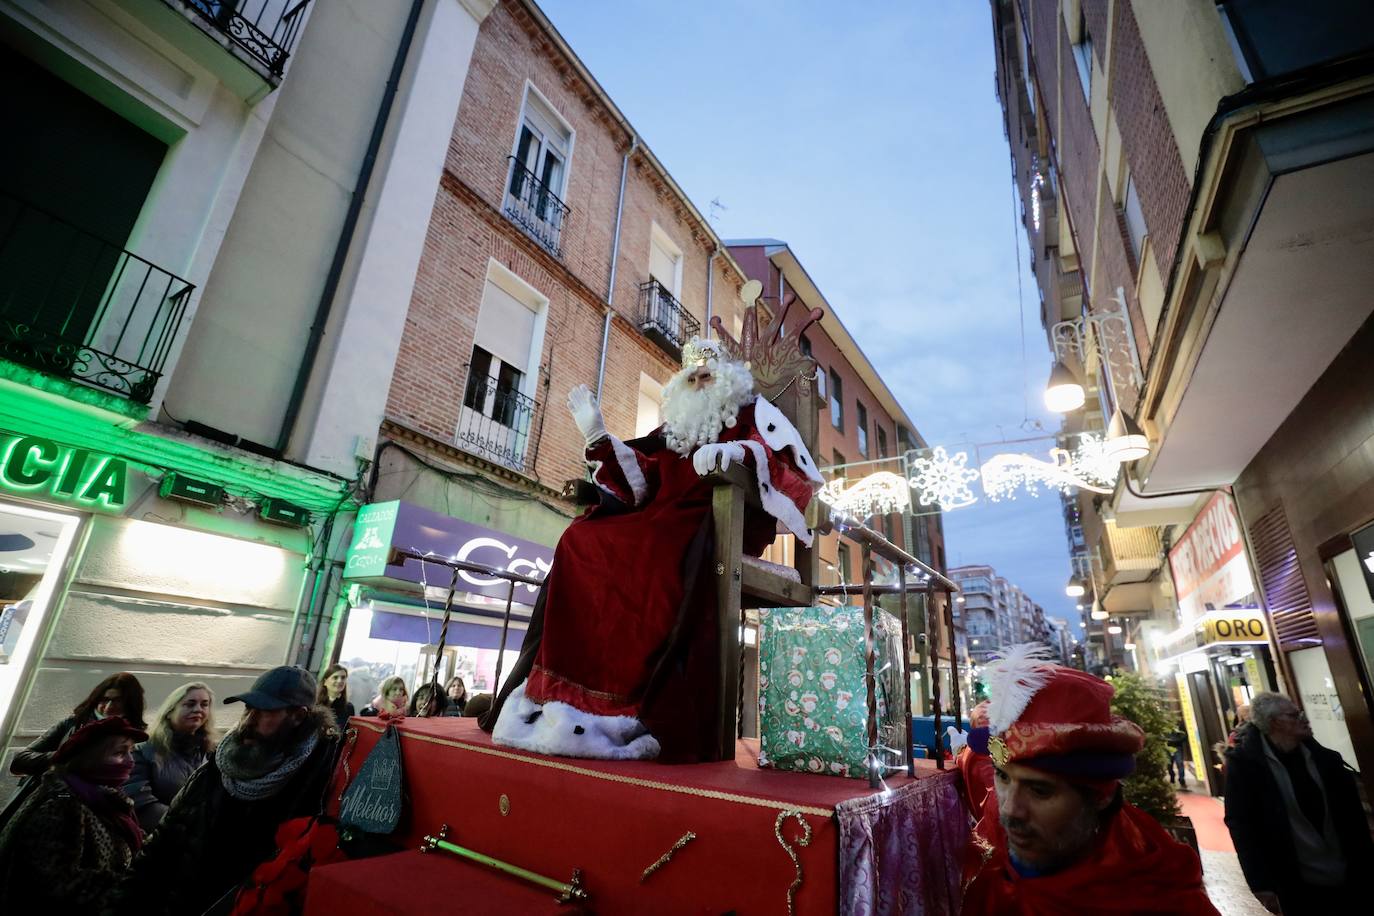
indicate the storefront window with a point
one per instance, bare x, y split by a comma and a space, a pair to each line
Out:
1321, 702
34, 546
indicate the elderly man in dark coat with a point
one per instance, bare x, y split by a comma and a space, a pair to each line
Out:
1294, 813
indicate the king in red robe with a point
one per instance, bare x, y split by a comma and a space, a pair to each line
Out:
620, 659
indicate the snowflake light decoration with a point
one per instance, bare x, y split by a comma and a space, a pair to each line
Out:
943, 479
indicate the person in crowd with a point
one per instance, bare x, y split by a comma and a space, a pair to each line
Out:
457, 692
274, 765
118, 695
477, 706
1242, 719
75, 834
1294, 813
1176, 740
391, 698
334, 694
181, 739
429, 701
1054, 834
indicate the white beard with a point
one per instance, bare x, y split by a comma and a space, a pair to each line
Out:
692, 418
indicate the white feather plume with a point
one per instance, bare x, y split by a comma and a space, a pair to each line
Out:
1012, 679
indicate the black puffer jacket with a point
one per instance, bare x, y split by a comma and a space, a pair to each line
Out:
1258, 818
156, 780
209, 842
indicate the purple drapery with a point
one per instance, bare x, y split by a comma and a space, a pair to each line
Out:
900, 851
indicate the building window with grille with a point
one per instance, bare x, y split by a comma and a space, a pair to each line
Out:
498, 395
1083, 56
836, 401
539, 171
1135, 218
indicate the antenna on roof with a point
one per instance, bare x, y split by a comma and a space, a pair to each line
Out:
716, 208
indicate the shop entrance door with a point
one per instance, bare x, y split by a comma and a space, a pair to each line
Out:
1208, 720
34, 545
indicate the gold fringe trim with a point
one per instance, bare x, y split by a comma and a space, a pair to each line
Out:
667, 856
611, 777
803, 840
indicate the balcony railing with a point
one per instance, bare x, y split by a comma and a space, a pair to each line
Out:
266, 29
532, 206
497, 423
663, 319
77, 306
1129, 554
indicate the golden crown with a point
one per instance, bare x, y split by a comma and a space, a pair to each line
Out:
698, 352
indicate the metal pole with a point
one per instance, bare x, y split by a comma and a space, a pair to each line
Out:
906, 674
874, 774
505, 626
933, 668
953, 665
443, 630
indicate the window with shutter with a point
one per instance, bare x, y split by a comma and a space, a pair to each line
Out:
1285, 590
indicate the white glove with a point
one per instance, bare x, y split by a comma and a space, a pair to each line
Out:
957, 739
586, 414
705, 458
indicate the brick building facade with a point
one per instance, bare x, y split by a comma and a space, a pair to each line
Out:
1199, 169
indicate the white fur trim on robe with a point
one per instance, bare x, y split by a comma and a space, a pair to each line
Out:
779, 433
774, 501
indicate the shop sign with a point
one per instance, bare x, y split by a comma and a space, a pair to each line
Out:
1363, 542
1185, 702
383, 526
1234, 626
32, 466
1209, 565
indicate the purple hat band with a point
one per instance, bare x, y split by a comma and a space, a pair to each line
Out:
1071, 766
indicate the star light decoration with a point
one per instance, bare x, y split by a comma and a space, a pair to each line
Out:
943, 479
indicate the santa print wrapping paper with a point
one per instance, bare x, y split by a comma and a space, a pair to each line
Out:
813, 715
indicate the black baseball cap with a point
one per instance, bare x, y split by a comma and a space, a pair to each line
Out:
284, 687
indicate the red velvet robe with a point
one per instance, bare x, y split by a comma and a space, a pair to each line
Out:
1135, 867
628, 610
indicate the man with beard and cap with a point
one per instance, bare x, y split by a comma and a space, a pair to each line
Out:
272, 767
1042, 772
620, 659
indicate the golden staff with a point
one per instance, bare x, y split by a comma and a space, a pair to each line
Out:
567, 892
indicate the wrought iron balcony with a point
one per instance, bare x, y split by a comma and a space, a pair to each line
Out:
532, 206
663, 319
497, 422
77, 306
266, 29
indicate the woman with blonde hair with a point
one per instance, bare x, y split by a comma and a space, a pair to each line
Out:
178, 743
391, 699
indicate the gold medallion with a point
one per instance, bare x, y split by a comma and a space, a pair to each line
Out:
997, 749
504, 805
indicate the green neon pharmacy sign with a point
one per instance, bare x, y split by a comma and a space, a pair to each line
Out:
32, 466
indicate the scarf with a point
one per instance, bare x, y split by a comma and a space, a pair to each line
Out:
108, 801
247, 788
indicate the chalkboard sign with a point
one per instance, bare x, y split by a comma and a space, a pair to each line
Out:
373, 802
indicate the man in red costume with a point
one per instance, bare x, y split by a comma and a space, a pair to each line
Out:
619, 661
1055, 836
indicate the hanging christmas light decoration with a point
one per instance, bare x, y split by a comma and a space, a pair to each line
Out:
943, 479
1087, 467
877, 494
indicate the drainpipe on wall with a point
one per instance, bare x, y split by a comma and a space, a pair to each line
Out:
615, 260
710, 287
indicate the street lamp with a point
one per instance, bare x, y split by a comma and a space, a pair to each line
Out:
1114, 629
1075, 588
1125, 441
1063, 392
1099, 612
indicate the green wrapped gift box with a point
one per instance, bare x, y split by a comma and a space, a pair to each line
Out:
813, 715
